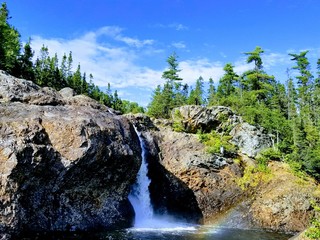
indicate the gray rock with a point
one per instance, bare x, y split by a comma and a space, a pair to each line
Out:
197, 118
67, 92
210, 177
63, 167
250, 139
17, 90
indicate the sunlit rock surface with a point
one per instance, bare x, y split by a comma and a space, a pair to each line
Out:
66, 163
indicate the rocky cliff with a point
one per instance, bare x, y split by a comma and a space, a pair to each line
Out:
227, 188
66, 162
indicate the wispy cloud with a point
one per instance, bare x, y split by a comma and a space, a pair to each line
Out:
273, 59
108, 61
175, 26
179, 45
191, 70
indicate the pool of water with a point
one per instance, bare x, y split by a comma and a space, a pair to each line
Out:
175, 233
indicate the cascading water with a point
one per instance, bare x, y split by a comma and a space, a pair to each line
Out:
140, 195
150, 226
140, 200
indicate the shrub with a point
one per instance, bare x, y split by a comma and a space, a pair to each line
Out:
178, 124
313, 232
214, 142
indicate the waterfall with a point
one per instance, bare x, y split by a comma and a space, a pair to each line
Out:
140, 200
140, 195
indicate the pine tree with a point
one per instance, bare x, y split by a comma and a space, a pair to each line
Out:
172, 73
26, 68
226, 84
196, 95
212, 97
9, 43
257, 80
42, 67
304, 81
172, 94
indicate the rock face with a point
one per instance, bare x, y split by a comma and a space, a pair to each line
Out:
195, 118
249, 139
284, 203
212, 178
280, 202
66, 163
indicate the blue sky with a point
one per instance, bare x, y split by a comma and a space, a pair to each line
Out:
126, 42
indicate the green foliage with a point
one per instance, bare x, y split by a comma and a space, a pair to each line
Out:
131, 107
196, 95
9, 42
177, 124
172, 94
214, 141
212, 96
270, 154
227, 82
266, 155
253, 176
313, 232
172, 73
255, 57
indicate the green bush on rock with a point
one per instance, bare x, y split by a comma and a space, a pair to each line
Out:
214, 142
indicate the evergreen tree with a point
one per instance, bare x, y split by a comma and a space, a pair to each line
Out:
26, 68
304, 81
172, 94
257, 80
226, 84
117, 103
9, 43
156, 106
172, 73
76, 80
42, 67
196, 95
212, 98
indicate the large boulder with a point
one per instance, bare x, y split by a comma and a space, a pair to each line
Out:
14, 90
248, 138
65, 163
194, 118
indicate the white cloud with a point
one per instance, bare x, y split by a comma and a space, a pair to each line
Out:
191, 70
109, 63
175, 26
134, 42
275, 59
178, 26
179, 45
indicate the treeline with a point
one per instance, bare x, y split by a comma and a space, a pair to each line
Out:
290, 111
47, 71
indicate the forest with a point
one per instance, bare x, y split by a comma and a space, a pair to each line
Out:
289, 110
